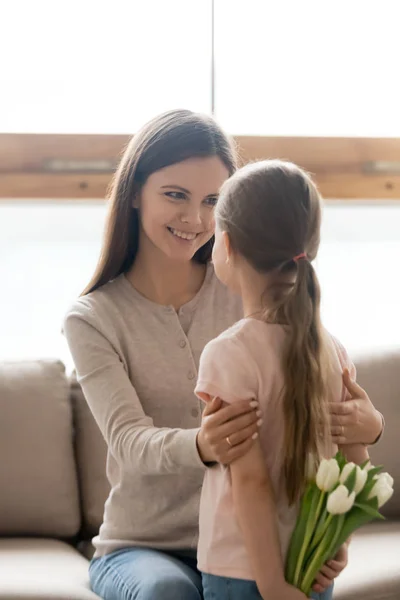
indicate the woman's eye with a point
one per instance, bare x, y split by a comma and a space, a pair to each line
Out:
212, 201
176, 195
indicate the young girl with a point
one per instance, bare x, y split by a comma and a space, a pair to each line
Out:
267, 235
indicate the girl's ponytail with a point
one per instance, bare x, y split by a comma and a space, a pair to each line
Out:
304, 405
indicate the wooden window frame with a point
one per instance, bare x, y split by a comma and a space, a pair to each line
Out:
33, 166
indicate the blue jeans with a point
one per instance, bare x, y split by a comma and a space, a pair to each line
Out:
145, 574
227, 588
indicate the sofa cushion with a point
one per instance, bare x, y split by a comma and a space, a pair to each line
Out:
373, 571
42, 569
380, 376
91, 453
38, 479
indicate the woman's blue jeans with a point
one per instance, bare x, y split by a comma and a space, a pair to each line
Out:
145, 574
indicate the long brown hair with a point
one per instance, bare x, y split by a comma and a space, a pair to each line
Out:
168, 139
272, 213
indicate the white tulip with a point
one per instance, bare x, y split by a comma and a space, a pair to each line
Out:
327, 474
361, 476
368, 466
383, 489
386, 477
340, 501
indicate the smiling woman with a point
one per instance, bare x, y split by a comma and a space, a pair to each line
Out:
136, 335
164, 190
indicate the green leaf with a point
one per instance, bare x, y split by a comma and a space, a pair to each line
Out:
354, 520
369, 509
374, 471
350, 482
341, 460
363, 496
364, 464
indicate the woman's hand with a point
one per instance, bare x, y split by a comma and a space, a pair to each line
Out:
331, 570
355, 421
228, 432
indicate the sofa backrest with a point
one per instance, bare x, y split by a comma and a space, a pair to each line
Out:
91, 455
380, 376
38, 479
53, 456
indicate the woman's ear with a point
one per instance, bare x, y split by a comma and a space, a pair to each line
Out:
136, 201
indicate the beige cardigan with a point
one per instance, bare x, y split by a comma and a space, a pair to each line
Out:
137, 363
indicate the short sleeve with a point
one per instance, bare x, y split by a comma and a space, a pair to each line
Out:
228, 371
345, 363
345, 360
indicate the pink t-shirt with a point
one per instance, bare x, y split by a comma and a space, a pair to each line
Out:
245, 362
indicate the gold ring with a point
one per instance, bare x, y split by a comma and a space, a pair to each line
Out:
229, 441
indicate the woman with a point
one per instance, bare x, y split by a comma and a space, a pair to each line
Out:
136, 335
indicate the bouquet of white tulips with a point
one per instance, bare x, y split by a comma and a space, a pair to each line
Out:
337, 501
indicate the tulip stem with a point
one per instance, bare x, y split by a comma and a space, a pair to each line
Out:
322, 554
320, 531
311, 522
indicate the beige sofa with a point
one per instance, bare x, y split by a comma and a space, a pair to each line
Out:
53, 486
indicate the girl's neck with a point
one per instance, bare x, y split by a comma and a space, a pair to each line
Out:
164, 281
258, 291
253, 299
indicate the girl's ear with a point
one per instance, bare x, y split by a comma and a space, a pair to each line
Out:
136, 201
228, 245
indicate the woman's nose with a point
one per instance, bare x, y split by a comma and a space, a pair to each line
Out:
191, 216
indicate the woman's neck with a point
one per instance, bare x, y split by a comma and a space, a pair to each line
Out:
165, 281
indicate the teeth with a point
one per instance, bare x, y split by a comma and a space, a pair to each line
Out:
183, 234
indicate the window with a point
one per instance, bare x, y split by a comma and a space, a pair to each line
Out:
307, 68
101, 67
48, 253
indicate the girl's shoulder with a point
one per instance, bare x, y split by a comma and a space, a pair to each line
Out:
251, 331
252, 336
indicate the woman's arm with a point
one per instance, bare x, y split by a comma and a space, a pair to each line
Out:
129, 433
356, 452
355, 421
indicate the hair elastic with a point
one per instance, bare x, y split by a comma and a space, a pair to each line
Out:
302, 256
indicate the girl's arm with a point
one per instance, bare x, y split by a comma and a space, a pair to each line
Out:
256, 513
255, 509
226, 371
